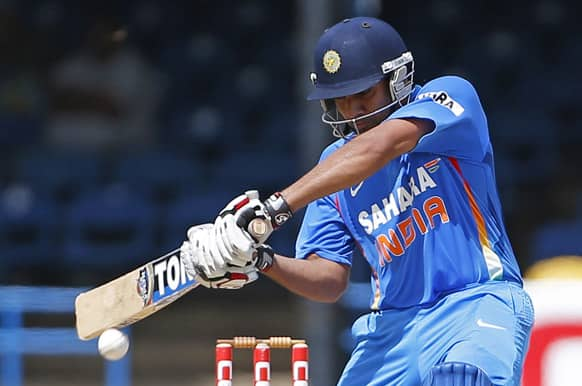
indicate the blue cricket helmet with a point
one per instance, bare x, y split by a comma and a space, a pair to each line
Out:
351, 56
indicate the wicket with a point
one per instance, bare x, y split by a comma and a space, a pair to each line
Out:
262, 358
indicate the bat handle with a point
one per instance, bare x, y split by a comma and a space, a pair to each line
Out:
258, 228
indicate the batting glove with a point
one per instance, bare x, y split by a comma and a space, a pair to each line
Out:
257, 218
229, 278
204, 260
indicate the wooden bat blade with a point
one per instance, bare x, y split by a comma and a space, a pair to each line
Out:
133, 296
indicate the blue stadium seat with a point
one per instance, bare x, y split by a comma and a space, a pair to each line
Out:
497, 73
201, 129
194, 65
158, 174
62, 175
281, 132
18, 130
524, 145
110, 229
29, 229
263, 170
18, 339
555, 239
194, 207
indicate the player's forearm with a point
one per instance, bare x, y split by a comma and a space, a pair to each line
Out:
316, 280
354, 162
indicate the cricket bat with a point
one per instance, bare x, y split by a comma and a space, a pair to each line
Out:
133, 296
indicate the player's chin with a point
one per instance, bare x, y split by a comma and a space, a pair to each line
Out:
375, 119
366, 124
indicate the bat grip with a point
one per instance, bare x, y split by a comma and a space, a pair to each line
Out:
258, 228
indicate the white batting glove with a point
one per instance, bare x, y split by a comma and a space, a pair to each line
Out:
199, 254
232, 241
252, 208
229, 278
246, 223
203, 259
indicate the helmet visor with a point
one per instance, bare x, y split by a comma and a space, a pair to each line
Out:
332, 91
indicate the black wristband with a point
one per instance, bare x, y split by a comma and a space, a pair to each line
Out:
278, 210
264, 258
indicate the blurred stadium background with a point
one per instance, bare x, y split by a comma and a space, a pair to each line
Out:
121, 123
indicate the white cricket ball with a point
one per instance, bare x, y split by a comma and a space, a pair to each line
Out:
113, 344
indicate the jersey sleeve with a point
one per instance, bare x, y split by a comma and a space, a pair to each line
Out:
324, 233
453, 105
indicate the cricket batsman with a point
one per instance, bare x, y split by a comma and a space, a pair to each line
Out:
411, 183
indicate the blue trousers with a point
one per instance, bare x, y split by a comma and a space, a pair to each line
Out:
487, 325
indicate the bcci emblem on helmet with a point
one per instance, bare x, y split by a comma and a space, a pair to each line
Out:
331, 61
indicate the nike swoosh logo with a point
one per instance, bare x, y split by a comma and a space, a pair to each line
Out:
355, 189
481, 323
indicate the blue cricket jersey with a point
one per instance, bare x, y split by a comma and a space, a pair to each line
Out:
429, 222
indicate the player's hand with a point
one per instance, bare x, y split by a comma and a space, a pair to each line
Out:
255, 218
199, 253
203, 259
229, 277
243, 226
